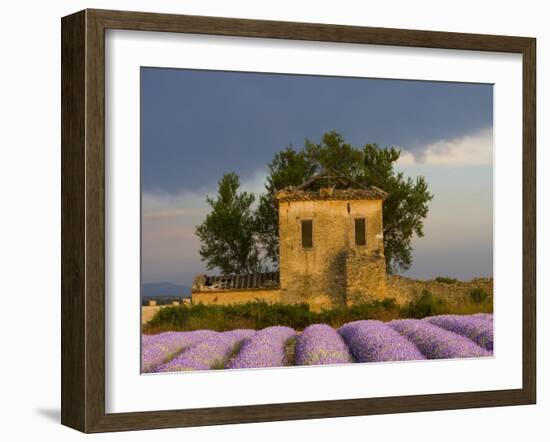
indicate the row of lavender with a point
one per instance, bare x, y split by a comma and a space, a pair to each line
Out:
437, 337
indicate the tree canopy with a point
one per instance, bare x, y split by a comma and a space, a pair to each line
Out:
403, 212
227, 235
236, 239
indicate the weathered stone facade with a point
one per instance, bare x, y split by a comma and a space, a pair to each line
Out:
323, 273
365, 277
404, 289
235, 289
227, 297
340, 261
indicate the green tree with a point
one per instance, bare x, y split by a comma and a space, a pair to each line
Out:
288, 168
404, 211
228, 240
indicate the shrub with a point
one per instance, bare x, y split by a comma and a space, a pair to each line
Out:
320, 344
260, 314
424, 305
437, 343
374, 341
478, 295
254, 315
477, 328
446, 279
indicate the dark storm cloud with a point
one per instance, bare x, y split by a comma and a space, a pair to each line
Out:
196, 125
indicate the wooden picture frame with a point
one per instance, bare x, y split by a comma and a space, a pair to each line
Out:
83, 220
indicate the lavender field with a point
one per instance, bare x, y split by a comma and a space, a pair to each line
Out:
436, 337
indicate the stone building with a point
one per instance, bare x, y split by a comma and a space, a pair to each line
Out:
331, 249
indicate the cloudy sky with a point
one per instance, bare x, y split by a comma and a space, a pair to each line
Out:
197, 125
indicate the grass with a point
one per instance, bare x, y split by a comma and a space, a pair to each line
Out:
427, 304
478, 295
258, 315
222, 363
446, 279
290, 350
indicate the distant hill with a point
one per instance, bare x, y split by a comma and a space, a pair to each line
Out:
164, 289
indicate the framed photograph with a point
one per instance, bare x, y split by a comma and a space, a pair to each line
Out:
268, 220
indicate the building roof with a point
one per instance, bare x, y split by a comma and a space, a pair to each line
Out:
330, 184
205, 283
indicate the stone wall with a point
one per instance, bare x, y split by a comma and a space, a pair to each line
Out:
317, 275
226, 297
404, 289
148, 311
365, 277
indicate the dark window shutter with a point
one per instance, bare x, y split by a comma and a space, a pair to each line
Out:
360, 232
307, 233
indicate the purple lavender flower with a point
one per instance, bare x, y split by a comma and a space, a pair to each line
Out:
476, 328
208, 353
435, 342
265, 349
487, 316
320, 344
374, 341
146, 339
157, 349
